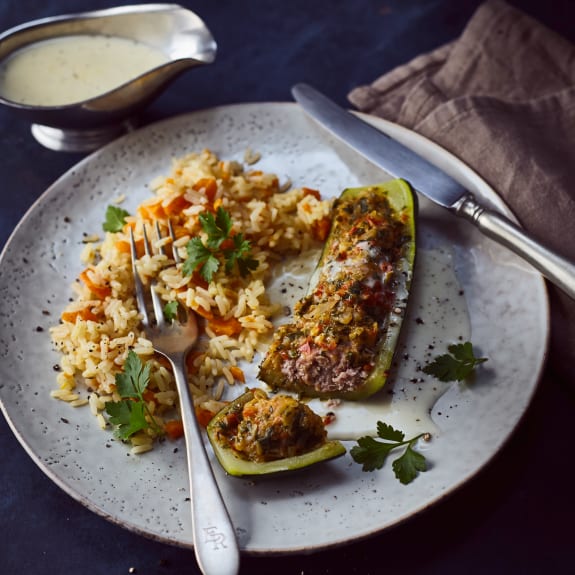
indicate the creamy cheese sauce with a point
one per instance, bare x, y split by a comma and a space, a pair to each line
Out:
437, 316
71, 69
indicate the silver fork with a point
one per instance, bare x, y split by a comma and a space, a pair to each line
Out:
215, 543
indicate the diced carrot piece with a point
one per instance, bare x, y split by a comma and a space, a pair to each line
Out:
149, 395
178, 204
152, 211
198, 280
238, 373
310, 192
84, 313
202, 311
227, 244
124, 247
100, 291
179, 231
70, 316
204, 416
128, 225
209, 186
221, 326
174, 428
320, 229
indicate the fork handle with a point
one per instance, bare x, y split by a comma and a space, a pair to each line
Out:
215, 543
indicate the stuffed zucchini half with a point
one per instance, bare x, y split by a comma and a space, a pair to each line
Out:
257, 435
344, 332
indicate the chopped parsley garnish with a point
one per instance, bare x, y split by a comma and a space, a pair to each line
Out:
456, 365
218, 228
219, 247
129, 414
200, 255
239, 255
171, 310
372, 453
115, 219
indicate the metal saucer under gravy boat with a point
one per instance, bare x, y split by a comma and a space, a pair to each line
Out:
87, 125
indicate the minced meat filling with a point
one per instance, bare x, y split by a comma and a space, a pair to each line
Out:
332, 343
267, 429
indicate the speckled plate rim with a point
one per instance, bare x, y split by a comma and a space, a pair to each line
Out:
432, 152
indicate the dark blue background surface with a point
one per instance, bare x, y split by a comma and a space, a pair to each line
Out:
515, 517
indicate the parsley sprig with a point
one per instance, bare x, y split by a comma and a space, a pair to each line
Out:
372, 453
115, 219
129, 414
456, 365
219, 246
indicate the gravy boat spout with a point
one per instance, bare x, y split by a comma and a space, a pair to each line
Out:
177, 36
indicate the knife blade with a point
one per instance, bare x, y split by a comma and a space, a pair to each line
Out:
427, 179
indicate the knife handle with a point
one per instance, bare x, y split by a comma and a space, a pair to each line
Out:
555, 268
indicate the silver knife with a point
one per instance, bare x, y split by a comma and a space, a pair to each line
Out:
429, 180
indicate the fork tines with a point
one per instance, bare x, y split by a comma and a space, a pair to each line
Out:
139, 286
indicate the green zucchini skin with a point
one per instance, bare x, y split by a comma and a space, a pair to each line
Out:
237, 466
389, 209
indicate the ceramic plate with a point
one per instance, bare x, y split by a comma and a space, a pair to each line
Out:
465, 287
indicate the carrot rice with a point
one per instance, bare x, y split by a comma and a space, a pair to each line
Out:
101, 325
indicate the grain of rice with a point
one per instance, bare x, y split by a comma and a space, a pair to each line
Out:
139, 449
220, 387
94, 406
64, 395
79, 402
228, 375
251, 157
141, 439
166, 397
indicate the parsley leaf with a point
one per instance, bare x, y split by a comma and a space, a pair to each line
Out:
171, 310
219, 247
456, 365
115, 219
372, 453
135, 378
198, 255
218, 228
209, 268
240, 255
408, 466
129, 414
385, 431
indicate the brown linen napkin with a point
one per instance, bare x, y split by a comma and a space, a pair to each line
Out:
502, 99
